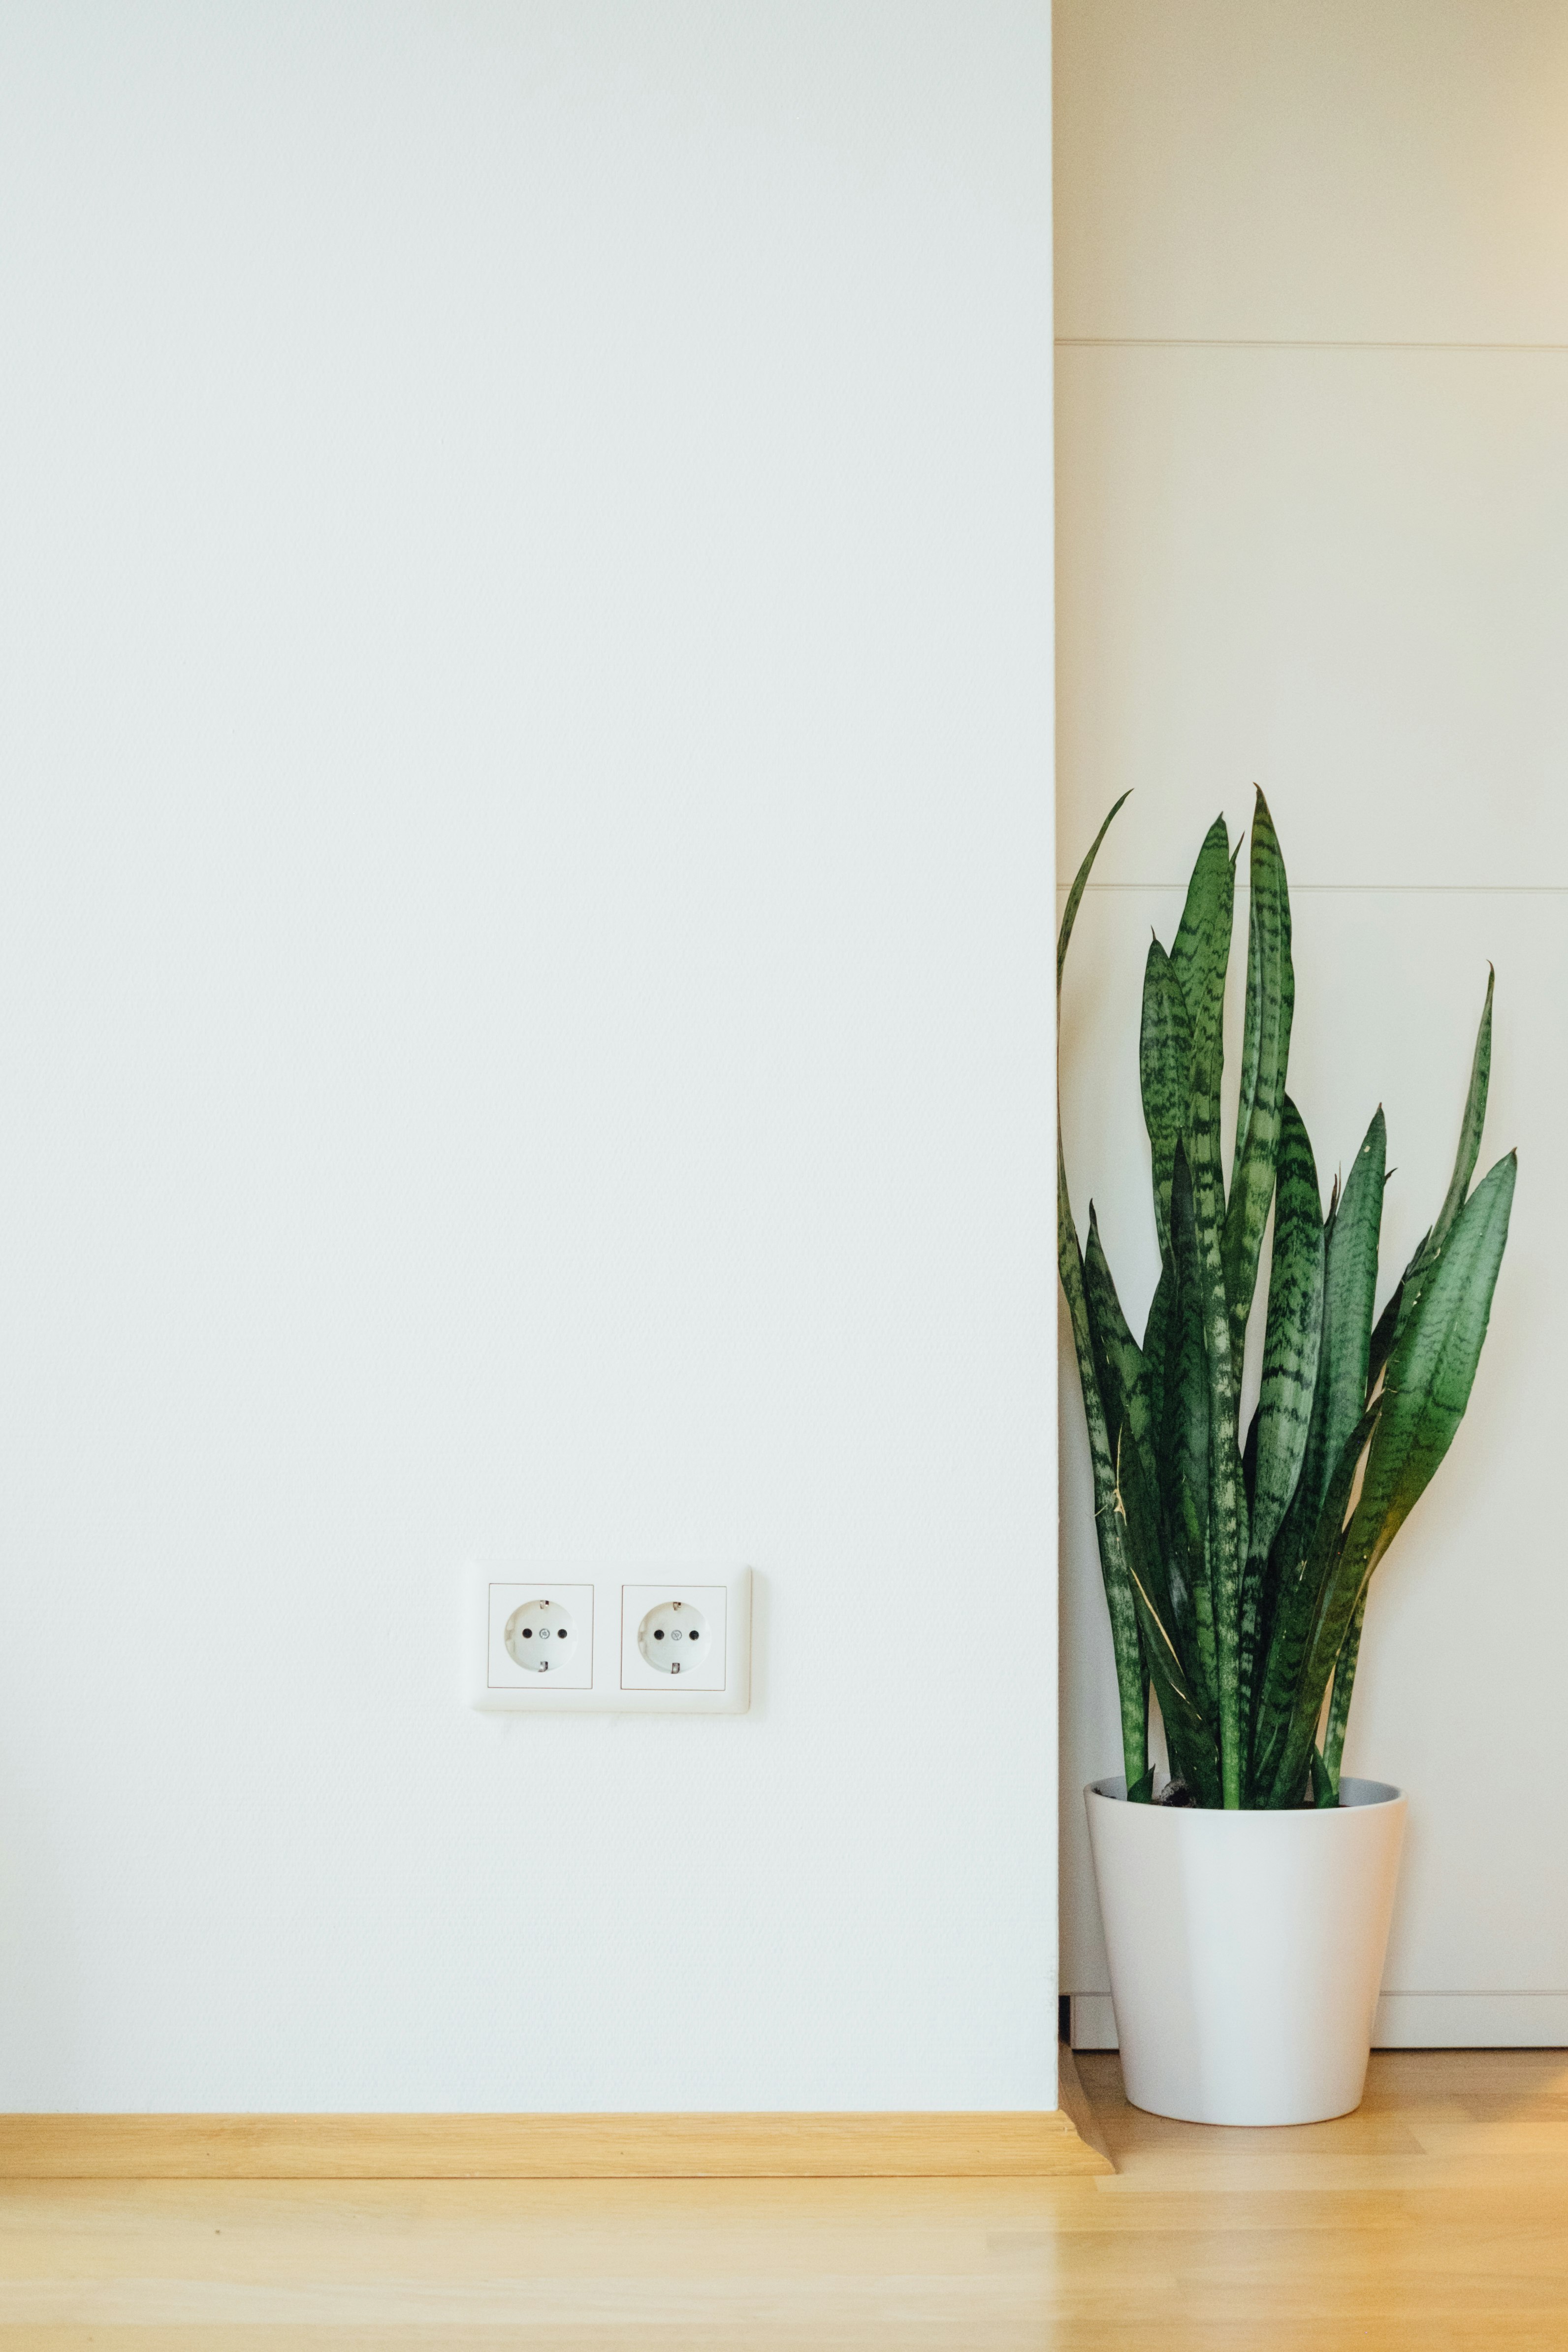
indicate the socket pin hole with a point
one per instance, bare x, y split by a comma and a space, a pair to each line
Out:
561, 1632
527, 1632
658, 1632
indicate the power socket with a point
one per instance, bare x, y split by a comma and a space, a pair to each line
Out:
537, 1638
616, 1638
672, 1638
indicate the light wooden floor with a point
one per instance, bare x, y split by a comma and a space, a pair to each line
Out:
1437, 2217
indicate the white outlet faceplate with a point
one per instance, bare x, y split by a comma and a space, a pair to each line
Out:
618, 1639
672, 1637
537, 1637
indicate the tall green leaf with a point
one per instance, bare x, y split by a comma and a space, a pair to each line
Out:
1350, 1281
1114, 1568
1165, 1056
1427, 1381
1189, 1736
1289, 1371
1124, 1379
1350, 1284
1266, 1048
1122, 1374
1201, 949
1156, 1329
1292, 1333
1471, 1124
1131, 1675
1182, 1446
1425, 1391
1395, 1320
1226, 1500
1080, 884
1406, 1296
1339, 1700
1290, 1699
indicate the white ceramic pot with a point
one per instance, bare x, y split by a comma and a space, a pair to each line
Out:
1246, 1951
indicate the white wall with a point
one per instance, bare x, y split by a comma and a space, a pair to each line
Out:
1313, 473
525, 1015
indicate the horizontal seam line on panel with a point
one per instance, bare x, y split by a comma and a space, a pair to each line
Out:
1278, 343
1380, 890
1535, 1994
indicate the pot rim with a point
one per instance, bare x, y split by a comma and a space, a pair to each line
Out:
1113, 1791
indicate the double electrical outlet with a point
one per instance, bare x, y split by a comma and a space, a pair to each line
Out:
633, 1640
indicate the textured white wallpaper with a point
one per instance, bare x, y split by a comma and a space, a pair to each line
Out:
524, 1023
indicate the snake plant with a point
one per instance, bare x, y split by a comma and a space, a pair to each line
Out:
1236, 1567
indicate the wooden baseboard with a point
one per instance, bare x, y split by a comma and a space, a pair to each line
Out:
540, 2147
1077, 2107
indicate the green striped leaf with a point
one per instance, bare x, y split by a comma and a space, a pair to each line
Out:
1113, 1570
1350, 1287
1199, 956
1339, 1698
1189, 1736
1350, 1281
1302, 1515
1406, 1296
1290, 1699
1226, 1500
1157, 1341
1165, 1054
1426, 1388
1393, 1321
1292, 1333
1132, 1682
1080, 883
1182, 1446
1289, 1372
1127, 1389
1266, 1048
1201, 949
1473, 1123
1350, 1284
1119, 1361
1427, 1381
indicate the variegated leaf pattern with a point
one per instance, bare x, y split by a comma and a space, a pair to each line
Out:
1236, 1589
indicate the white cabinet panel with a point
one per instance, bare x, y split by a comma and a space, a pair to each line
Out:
1343, 574
1313, 168
1458, 1697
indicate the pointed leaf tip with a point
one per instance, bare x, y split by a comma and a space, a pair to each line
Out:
1069, 912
